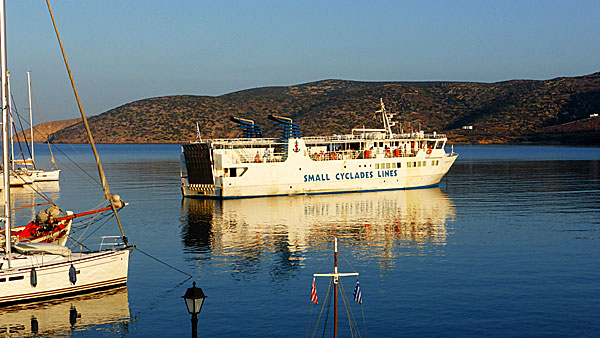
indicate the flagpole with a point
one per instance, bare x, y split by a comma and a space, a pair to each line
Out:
335, 275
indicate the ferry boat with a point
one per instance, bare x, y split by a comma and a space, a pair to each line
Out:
365, 160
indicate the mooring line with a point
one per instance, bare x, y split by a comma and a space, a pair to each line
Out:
158, 260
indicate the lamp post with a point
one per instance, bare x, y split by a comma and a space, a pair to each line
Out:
194, 299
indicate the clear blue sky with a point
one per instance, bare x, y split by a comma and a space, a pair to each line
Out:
124, 50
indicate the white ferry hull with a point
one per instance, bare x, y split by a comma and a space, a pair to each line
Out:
97, 270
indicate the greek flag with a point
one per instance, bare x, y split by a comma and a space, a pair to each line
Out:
357, 293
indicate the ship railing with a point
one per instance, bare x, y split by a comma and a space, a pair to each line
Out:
258, 142
111, 242
335, 155
310, 140
236, 142
243, 156
358, 154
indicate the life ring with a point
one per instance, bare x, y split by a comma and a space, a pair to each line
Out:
332, 156
428, 151
388, 153
257, 159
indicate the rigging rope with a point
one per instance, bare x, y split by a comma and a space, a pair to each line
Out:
93, 179
37, 106
19, 118
328, 301
158, 260
351, 320
17, 137
321, 311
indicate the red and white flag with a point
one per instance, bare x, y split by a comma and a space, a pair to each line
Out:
313, 293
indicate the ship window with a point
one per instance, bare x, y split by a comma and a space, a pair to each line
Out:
398, 165
409, 164
233, 172
2, 280
376, 165
414, 164
387, 166
15, 278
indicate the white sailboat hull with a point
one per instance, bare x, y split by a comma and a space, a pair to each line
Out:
95, 270
45, 175
17, 180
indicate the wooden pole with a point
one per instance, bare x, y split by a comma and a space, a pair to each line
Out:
107, 193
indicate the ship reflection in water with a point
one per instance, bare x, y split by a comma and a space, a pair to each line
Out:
106, 311
382, 220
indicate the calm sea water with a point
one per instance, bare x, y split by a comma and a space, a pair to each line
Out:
509, 245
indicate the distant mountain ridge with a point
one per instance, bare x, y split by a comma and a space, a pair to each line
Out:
513, 111
43, 130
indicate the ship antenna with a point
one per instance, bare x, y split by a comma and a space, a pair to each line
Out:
387, 118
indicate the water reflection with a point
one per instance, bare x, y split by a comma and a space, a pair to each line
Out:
102, 311
246, 228
38, 192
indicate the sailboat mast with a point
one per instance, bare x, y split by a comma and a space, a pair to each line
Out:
11, 123
5, 126
30, 118
107, 193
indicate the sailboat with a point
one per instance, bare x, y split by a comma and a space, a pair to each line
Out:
34, 271
29, 167
49, 226
18, 176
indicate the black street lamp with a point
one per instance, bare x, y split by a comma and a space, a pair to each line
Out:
194, 299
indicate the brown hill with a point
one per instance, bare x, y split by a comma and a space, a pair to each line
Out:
510, 111
43, 130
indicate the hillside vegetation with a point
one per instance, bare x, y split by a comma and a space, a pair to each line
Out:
503, 112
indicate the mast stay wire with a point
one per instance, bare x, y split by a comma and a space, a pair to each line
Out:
351, 320
20, 119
